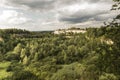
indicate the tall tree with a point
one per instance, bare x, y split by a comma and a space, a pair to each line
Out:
116, 20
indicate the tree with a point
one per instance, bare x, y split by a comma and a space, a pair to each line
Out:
18, 49
23, 53
23, 75
108, 76
25, 60
116, 20
11, 56
37, 56
69, 72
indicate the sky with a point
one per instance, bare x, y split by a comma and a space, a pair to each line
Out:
39, 15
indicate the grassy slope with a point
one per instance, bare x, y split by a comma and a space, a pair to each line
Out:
3, 67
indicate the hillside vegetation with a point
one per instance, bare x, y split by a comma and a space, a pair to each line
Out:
94, 55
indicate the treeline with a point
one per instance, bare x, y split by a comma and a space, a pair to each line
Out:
19, 33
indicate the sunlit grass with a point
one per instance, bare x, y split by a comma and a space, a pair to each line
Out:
3, 67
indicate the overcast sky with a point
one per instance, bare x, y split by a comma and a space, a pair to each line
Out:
54, 14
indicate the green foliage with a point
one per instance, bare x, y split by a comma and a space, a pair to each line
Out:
69, 72
94, 55
22, 75
18, 49
56, 57
1, 58
3, 72
107, 76
11, 56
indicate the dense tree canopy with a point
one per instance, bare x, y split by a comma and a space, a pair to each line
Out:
94, 55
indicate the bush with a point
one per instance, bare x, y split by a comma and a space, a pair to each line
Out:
23, 75
12, 56
108, 76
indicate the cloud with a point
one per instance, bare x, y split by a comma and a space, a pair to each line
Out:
83, 12
53, 14
38, 5
44, 5
13, 17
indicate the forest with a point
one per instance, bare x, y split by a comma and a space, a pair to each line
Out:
27, 55
36, 55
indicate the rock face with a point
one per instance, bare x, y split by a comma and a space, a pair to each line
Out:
107, 41
1, 39
69, 31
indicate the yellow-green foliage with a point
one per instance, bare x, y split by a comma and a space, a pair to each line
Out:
3, 67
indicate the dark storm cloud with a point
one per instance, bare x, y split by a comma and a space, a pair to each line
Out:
100, 7
82, 16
